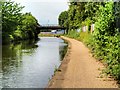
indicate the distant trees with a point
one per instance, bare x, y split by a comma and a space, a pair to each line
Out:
63, 18
15, 25
27, 28
80, 13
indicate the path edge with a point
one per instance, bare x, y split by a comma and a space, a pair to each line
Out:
65, 59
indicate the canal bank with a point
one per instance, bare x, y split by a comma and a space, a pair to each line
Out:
80, 70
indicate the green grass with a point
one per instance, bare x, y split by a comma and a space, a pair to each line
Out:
50, 35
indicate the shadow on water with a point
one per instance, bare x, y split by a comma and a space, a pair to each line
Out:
12, 53
63, 50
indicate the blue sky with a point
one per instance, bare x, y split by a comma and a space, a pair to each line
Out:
45, 11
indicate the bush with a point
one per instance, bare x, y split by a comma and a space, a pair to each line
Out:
106, 40
73, 34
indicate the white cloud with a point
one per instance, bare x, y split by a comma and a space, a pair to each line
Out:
44, 10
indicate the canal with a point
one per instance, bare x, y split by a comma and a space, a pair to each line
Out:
31, 64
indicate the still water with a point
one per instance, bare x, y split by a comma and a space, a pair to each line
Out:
31, 64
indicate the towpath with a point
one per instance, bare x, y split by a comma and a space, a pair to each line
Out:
80, 70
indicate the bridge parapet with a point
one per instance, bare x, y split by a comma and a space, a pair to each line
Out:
50, 26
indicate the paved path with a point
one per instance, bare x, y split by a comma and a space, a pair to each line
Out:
80, 70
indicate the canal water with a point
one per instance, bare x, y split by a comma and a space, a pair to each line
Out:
31, 64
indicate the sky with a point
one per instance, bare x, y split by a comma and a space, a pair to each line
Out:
45, 11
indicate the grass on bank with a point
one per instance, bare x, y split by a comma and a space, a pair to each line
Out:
49, 35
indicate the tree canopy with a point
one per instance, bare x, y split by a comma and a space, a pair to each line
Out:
16, 25
63, 18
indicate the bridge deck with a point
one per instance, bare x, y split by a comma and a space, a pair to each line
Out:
51, 27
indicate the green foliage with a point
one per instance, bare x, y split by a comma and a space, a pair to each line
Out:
85, 37
63, 19
76, 14
91, 9
79, 13
10, 16
15, 25
104, 42
73, 34
27, 29
28, 26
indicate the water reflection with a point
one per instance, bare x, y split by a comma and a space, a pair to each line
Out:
63, 50
30, 64
12, 54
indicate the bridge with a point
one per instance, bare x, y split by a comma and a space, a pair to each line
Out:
50, 26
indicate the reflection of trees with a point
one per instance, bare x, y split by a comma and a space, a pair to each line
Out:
12, 53
29, 47
62, 51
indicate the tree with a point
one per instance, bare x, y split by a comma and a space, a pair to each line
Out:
29, 24
63, 18
15, 25
11, 16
